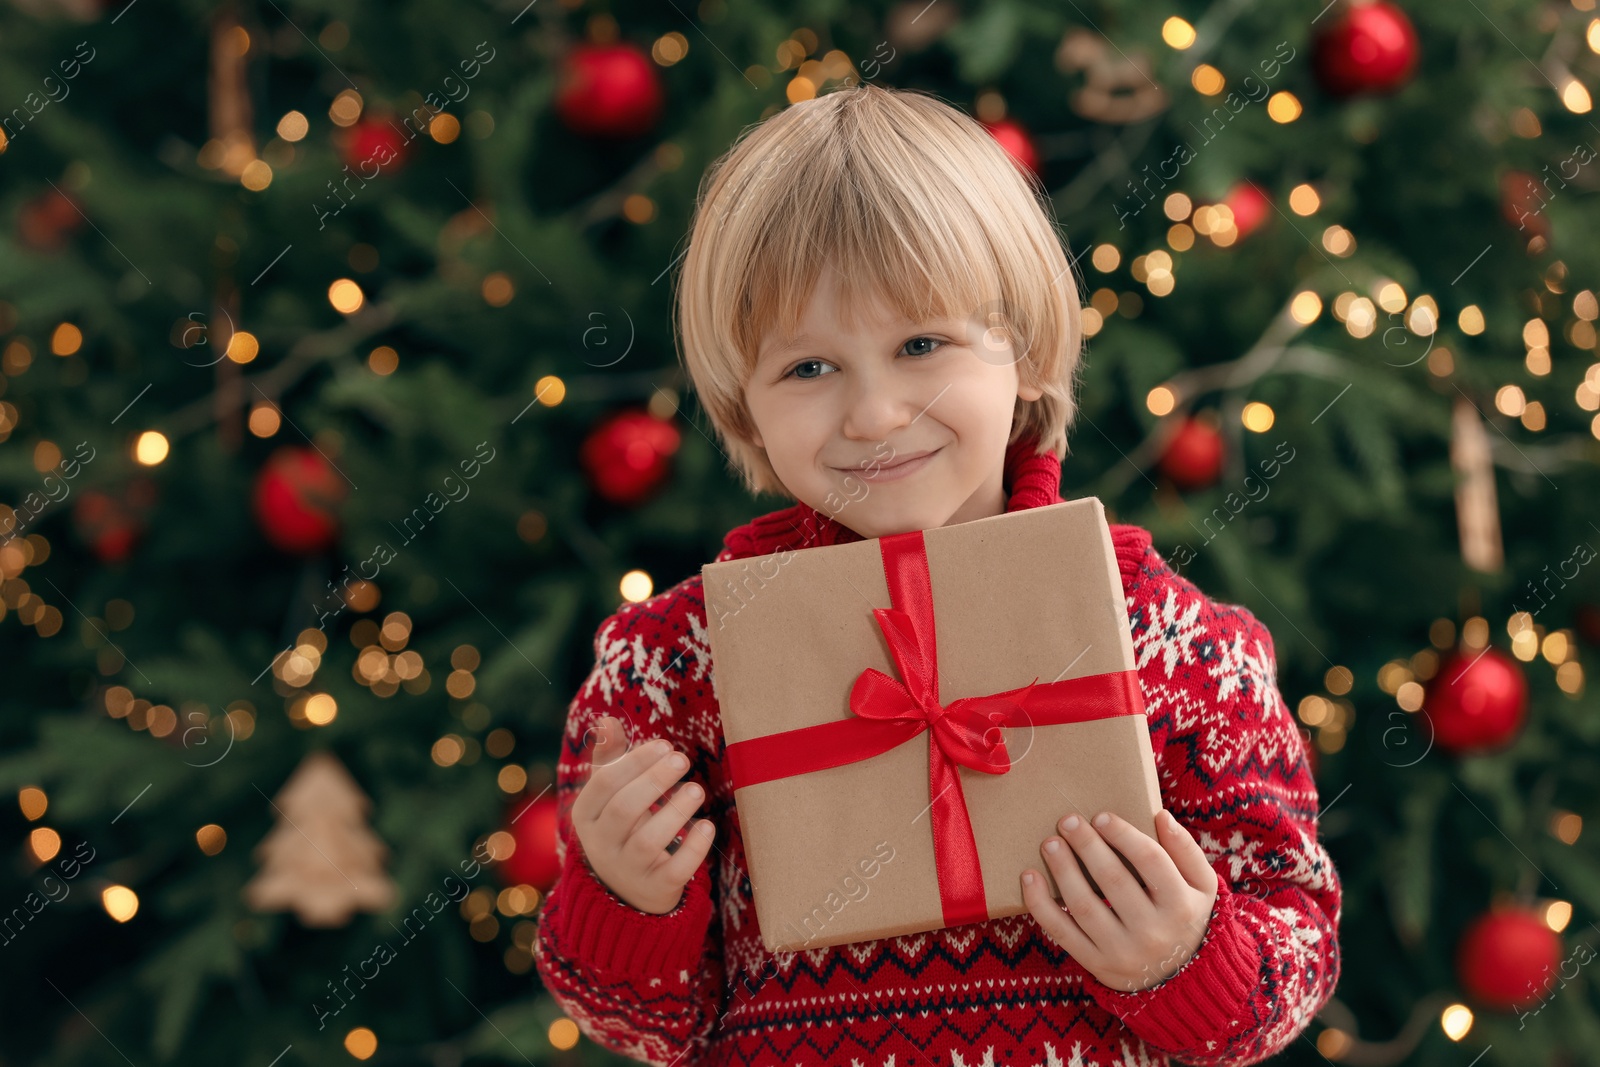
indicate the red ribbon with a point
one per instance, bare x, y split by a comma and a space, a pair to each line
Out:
889, 712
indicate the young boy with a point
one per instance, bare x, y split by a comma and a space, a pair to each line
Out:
882, 325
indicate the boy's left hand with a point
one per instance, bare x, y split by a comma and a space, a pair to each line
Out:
1136, 937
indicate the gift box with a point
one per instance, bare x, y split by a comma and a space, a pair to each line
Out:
907, 718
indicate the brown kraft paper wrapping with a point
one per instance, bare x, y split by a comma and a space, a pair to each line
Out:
846, 853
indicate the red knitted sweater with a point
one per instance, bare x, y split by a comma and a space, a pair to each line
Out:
697, 987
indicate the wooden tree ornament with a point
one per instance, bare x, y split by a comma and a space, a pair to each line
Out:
1477, 512
321, 861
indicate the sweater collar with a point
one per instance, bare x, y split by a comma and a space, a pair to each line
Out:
1032, 479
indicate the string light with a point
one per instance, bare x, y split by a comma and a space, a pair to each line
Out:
498, 289
638, 208
44, 843
150, 448
1394, 674
1283, 106
1305, 307
1257, 417
243, 346
1177, 33
636, 586
444, 128
211, 839
1391, 297
264, 419
1333, 1043
66, 339
1566, 826
1303, 200
460, 684
120, 902
499, 743
1569, 678
549, 390
320, 709
346, 296
346, 108
1361, 318
1093, 321
383, 360
448, 750
361, 1043
1423, 319
293, 126
256, 175
1338, 241
563, 1034
1207, 80
1442, 633
1574, 97
669, 48
1456, 1021
1509, 400
33, 802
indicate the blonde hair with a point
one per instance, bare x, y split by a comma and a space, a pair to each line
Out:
929, 212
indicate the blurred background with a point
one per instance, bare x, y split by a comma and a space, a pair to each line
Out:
340, 404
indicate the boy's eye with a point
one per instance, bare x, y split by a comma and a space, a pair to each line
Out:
799, 369
811, 369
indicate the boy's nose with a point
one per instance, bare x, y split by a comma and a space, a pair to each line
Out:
876, 411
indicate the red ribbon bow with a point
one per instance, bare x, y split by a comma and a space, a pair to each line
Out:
890, 712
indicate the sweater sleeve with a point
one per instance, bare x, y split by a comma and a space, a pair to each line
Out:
1234, 772
642, 985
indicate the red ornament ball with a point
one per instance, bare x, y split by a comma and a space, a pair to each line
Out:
1506, 958
372, 147
296, 497
1250, 207
627, 455
1017, 142
533, 828
111, 524
1193, 456
1477, 701
1522, 200
1587, 617
1369, 48
609, 90
46, 222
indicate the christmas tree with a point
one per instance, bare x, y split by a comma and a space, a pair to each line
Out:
339, 404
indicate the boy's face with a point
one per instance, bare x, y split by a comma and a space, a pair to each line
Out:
887, 425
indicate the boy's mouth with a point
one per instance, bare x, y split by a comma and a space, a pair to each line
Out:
902, 466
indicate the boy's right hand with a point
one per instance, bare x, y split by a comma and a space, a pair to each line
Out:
623, 840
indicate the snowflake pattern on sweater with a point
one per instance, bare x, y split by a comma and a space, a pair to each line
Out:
697, 987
